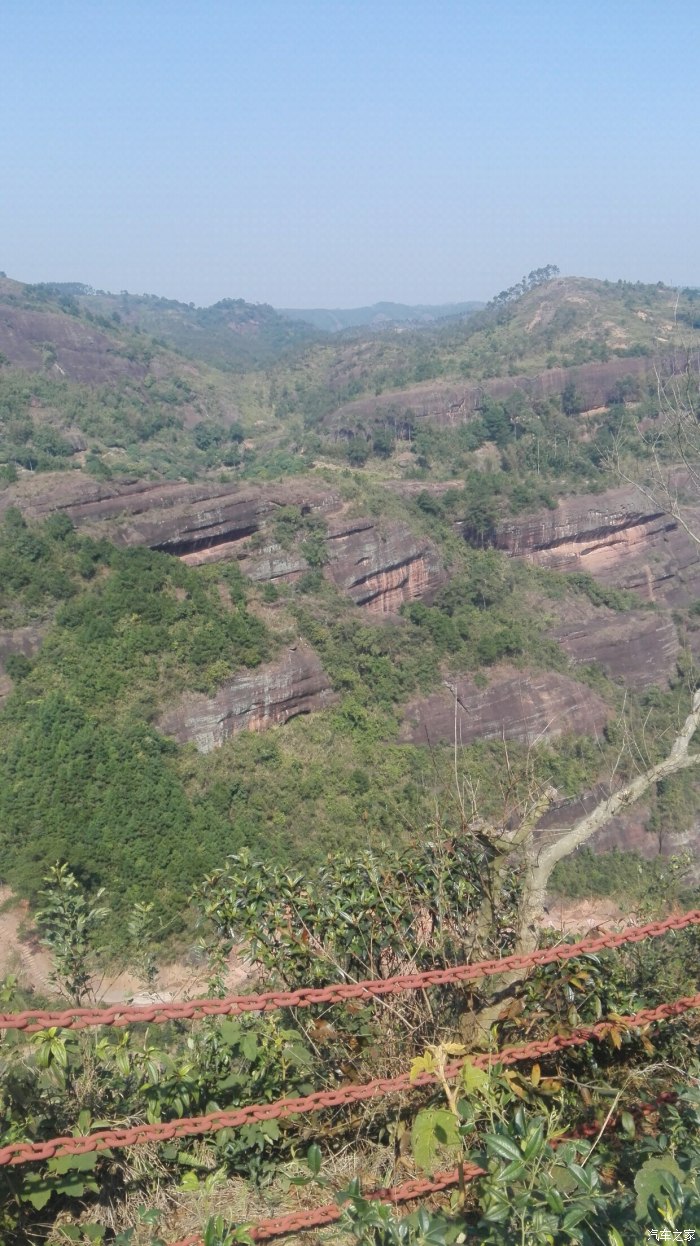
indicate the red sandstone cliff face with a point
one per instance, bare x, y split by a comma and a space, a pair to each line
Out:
528, 706
639, 648
454, 402
381, 566
253, 700
179, 518
618, 538
273, 564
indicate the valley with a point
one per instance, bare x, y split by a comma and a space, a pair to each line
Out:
420, 598
338, 653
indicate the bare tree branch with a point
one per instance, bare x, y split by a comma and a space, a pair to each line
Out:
568, 840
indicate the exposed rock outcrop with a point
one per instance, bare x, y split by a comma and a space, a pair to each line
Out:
617, 537
179, 518
454, 402
528, 706
639, 647
273, 563
252, 700
382, 565
379, 565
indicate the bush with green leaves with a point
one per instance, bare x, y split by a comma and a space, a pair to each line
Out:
56, 1081
541, 1185
367, 916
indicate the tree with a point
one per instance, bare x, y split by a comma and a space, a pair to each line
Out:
571, 402
666, 466
358, 452
383, 443
68, 926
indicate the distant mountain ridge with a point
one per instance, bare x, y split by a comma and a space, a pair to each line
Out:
232, 334
378, 315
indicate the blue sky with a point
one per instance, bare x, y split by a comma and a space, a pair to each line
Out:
337, 152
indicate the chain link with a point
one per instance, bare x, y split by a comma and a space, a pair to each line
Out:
317, 1217
32, 1020
196, 1126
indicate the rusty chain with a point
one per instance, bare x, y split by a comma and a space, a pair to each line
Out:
196, 1126
32, 1020
317, 1217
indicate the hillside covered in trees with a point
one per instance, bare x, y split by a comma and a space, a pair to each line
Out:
352, 653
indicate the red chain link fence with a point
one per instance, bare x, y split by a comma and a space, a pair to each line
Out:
319, 1217
409, 1191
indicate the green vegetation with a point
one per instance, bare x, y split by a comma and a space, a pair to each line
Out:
130, 427
373, 913
555, 323
232, 334
85, 777
623, 875
327, 850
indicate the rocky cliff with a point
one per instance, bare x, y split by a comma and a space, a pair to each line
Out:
378, 564
616, 536
454, 402
528, 706
639, 647
273, 564
179, 518
253, 700
382, 565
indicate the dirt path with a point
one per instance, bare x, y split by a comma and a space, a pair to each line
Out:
22, 954
581, 917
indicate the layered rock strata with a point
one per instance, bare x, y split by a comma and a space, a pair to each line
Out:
179, 518
639, 647
273, 563
453, 402
618, 537
251, 701
528, 706
381, 566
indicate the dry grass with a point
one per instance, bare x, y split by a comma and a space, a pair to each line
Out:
240, 1202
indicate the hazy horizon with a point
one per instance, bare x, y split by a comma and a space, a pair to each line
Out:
336, 154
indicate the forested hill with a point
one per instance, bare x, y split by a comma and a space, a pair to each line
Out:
556, 324
190, 551
345, 654
231, 334
380, 315
131, 385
